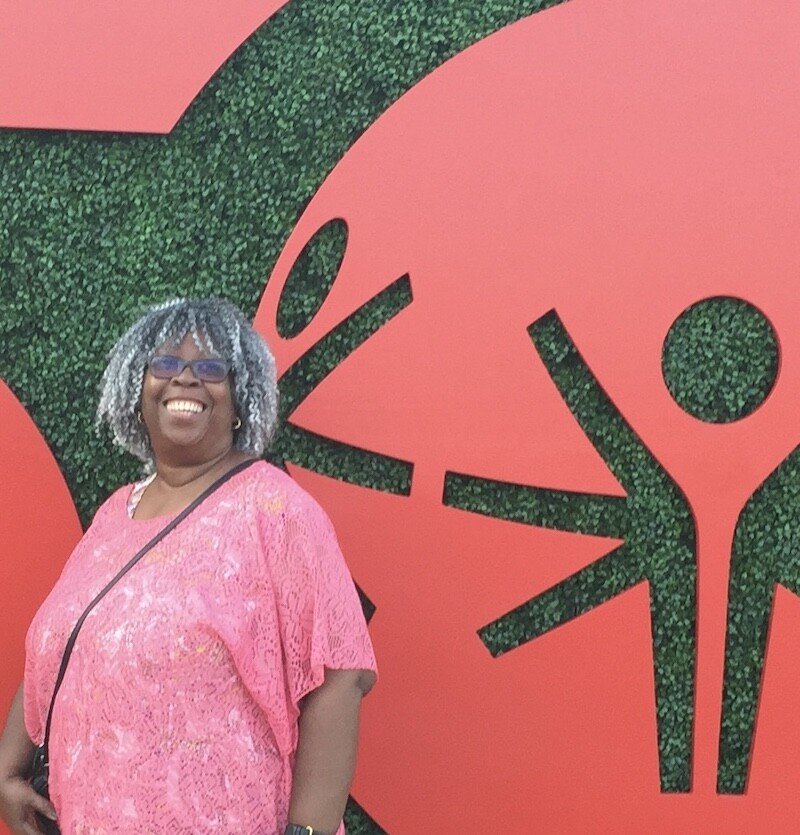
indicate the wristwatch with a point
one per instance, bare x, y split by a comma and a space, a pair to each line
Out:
295, 829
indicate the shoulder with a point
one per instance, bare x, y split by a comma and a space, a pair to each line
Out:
288, 520
274, 492
118, 499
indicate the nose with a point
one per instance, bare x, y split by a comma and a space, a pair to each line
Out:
186, 377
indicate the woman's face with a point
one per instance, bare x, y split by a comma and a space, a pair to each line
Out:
189, 421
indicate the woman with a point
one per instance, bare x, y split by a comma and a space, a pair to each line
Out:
216, 688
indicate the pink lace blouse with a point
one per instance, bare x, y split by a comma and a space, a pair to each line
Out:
178, 712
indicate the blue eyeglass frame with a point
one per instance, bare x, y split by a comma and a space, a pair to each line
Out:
196, 365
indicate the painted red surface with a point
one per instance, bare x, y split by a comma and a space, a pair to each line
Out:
38, 528
133, 66
619, 161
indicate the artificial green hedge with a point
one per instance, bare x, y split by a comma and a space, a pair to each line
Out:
720, 359
311, 278
92, 227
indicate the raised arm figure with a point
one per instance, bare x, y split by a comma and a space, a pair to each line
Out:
655, 522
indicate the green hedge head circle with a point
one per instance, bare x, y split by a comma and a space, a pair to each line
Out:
720, 359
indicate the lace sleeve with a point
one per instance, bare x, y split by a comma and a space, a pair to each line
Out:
320, 619
37, 695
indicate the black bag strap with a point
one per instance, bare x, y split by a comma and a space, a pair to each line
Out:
124, 570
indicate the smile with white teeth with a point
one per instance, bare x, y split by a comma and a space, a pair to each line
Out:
185, 406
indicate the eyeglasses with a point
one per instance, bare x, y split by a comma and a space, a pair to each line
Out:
165, 366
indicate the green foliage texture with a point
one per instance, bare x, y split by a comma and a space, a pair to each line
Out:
93, 227
740, 355
311, 278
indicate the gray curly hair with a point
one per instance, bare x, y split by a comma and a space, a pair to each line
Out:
217, 326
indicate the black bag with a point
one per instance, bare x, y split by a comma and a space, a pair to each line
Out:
40, 767
39, 785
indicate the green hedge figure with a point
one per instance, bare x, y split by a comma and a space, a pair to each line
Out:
739, 368
316, 452
720, 361
655, 522
766, 552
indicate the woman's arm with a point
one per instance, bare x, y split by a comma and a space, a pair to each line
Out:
18, 800
16, 748
326, 750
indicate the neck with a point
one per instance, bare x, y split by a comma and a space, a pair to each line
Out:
177, 475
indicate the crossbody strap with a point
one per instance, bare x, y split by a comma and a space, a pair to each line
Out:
124, 570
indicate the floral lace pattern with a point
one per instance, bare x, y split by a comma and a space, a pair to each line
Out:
178, 712
136, 493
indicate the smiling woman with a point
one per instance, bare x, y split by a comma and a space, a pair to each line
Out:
216, 686
138, 371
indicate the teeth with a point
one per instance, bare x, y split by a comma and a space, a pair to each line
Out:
184, 406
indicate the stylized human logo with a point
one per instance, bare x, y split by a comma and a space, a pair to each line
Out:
594, 161
303, 293
656, 525
654, 521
